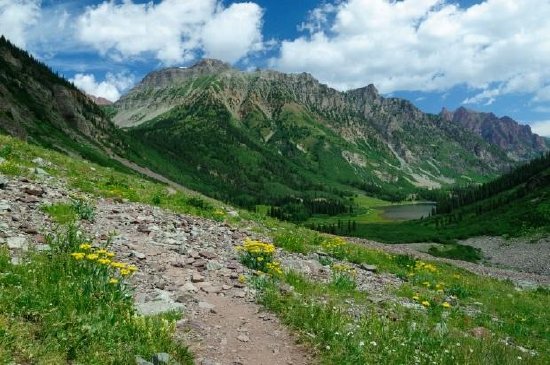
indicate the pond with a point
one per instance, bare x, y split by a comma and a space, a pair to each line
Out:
407, 211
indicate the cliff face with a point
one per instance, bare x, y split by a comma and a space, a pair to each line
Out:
515, 139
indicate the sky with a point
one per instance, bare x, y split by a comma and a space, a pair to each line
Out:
486, 55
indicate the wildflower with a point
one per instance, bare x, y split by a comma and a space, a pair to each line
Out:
104, 261
242, 279
259, 258
110, 254
92, 256
101, 251
425, 303
132, 268
446, 305
78, 255
373, 343
416, 297
118, 265
85, 246
125, 272
426, 284
113, 281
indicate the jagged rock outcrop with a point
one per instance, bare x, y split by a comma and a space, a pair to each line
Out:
519, 142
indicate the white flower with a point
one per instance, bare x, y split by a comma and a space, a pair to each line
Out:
373, 343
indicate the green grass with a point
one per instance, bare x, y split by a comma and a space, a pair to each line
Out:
342, 324
56, 310
61, 213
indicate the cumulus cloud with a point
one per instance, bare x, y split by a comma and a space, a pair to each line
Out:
495, 47
111, 88
172, 30
16, 17
541, 128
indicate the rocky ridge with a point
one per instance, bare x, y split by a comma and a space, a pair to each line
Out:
519, 142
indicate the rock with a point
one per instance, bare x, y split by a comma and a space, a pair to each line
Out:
211, 289
162, 358
40, 172
41, 162
17, 243
34, 191
138, 255
189, 287
206, 305
371, 268
4, 206
199, 263
3, 182
196, 277
142, 361
213, 265
208, 255
158, 307
143, 228
240, 294
243, 338
209, 362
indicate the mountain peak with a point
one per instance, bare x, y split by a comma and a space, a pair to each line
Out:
212, 65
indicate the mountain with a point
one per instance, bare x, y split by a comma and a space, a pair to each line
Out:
516, 139
265, 135
99, 100
41, 107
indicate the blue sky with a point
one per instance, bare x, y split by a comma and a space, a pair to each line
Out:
488, 55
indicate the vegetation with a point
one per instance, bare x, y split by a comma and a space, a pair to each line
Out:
72, 304
446, 305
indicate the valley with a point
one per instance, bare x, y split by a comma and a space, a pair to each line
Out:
219, 216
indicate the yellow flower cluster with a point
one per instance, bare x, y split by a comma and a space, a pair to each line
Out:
333, 243
422, 266
103, 257
274, 268
344, 269
256, 247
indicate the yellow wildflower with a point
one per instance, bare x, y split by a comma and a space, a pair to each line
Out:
78, 255
101, 251
104, 261
85, 246
92, 256
426, 303
113, 281
426, 284
446, 305
125, 272
416, 297
132, 268
110, 254
242, 279
118, 265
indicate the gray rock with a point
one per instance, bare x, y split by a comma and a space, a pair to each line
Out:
243, 338
189, 287
4, 206
211, 289
371, 268
41, 172
17, 243
158, 307
138, 255
197, 278
162, 358
213, 265
142, 361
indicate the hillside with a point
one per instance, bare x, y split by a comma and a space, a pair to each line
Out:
194, 285
42, 107
517, 140
268, 137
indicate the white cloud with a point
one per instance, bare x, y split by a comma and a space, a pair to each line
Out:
234, 32
541, 128
16, 17
111, 88
495, 47
173, 30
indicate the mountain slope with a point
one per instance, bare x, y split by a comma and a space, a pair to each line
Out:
515, 204
266, 135
517, 140
39, 106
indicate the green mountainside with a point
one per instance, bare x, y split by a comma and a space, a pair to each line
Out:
41, 107
266, 137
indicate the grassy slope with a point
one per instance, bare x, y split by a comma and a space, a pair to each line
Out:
383, 332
